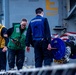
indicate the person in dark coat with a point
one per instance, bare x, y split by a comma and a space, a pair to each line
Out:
38, 34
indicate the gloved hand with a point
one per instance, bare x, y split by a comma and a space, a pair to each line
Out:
27, 48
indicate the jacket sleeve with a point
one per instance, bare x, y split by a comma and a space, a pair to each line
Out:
4, 30
29, 36
47, 31
10, 31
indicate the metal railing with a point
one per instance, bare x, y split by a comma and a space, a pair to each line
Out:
64, 69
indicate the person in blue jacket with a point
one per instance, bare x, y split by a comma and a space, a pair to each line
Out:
3, 47
38, 34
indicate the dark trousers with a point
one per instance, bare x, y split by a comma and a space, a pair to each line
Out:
41, 53
16, 56
2, 60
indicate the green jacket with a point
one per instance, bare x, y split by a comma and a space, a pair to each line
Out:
17, 40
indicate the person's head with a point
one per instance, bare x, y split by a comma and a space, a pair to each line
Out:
39, 11
23, 23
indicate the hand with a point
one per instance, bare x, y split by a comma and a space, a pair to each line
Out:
49, 47
5, 35
4, 49
27, 48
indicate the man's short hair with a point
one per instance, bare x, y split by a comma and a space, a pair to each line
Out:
38, 10
24, 19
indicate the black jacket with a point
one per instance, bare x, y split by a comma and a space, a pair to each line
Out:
3, 31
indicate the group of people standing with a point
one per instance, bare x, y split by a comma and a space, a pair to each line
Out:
18, 38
